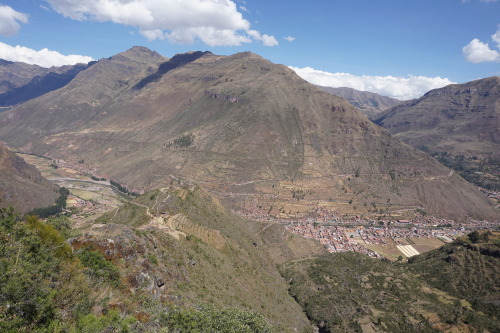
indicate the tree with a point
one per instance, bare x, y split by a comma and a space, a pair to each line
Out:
474, 237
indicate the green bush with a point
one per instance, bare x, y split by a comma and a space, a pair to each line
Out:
28, 270
111, 322
210, 319
98, 267
184, 141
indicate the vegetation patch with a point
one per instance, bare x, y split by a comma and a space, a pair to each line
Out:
350, 292
123, 189
210, 319
97, 267
54, 209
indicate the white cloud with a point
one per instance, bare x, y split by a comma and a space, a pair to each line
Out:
289, 38
496, 37
44, 57
9, 21
402, 88
266, 39
477, 51
214, 22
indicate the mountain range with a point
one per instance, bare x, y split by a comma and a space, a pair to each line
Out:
207, 139
240, 126
459, 124
20, 82
369, 103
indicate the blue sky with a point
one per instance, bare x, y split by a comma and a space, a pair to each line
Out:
400, 48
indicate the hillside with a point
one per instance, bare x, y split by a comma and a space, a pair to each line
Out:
21, 185
350, 292
242, 127
468, 268
204, 253
173, 258
459, 124
369, 103
46, 285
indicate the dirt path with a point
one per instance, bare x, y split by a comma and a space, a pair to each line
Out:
267, 226
141, 205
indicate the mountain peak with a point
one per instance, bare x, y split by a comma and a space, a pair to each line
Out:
139, 54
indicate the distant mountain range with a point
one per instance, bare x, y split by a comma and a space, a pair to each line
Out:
21, 82
17, 74
240, 126
459, 124
21, 185
369, 103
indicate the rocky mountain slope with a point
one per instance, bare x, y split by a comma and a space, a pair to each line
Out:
223, 259
369, 103
460, 124
21, 185
240, 126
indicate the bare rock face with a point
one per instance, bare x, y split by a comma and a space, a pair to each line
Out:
367, 102
21, 185
244, 128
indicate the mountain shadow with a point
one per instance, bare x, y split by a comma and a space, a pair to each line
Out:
176, 61
39, 85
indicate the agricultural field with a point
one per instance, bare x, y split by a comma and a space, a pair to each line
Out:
88, 198
391, 251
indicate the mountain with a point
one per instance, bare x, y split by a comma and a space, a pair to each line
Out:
452, 289
16, 74
248, 130
460, 124
369, 103
21, 185
52, 79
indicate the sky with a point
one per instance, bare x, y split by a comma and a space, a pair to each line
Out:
397, 48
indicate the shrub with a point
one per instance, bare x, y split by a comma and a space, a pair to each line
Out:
98, 267
210, 319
